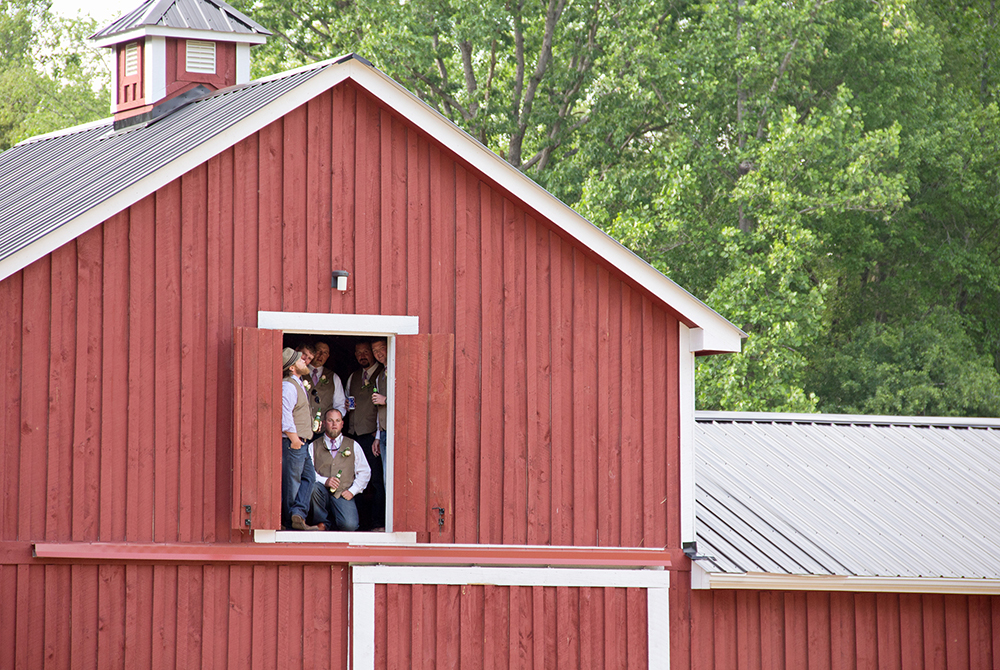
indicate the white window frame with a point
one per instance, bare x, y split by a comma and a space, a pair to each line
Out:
353, 325
365, 577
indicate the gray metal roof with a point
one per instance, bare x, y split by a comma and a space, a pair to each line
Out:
815, 494
211, 15
46, 182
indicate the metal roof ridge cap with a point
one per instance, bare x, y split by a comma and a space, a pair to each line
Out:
82, 128
240, 16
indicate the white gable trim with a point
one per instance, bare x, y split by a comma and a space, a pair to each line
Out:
710, 331
365, 577
758, 581
718, 334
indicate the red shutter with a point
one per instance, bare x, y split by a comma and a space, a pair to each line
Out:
424, 444
256, 428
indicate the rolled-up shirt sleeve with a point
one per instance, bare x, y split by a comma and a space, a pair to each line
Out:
289, 394
362, 472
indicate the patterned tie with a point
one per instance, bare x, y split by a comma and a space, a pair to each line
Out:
315, 376
364, 378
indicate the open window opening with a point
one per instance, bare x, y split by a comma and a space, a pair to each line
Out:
257, 414
348, 376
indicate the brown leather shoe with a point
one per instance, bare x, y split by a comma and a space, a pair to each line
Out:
298, 523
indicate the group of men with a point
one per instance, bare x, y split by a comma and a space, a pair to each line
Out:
333, 479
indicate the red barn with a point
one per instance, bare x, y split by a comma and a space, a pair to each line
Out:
152, 265
546, 463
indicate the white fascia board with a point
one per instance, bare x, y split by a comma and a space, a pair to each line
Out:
687, 441
180, 33
720, 335
771, 582
569, 577
153, 181
355, 324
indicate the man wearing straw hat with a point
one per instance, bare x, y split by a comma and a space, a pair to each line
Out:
297, 474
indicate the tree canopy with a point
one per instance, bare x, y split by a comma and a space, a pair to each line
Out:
50, 76
821, 173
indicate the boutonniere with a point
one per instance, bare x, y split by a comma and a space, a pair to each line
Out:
306, 383
323, 380
346, 452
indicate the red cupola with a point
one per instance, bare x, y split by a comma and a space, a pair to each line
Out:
173, 50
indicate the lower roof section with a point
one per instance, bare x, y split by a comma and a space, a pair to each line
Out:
783, 498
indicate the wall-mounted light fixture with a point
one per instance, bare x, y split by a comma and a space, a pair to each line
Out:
339, 280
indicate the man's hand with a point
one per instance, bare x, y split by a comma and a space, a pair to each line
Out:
375, 448
347, 495
378, 398
333, 483
295, 440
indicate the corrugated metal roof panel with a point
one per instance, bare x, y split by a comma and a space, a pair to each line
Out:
213, 15
76, 171
848, 495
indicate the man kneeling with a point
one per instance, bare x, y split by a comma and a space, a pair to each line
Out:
342, 472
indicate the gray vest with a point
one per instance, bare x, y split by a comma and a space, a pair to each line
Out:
364, 413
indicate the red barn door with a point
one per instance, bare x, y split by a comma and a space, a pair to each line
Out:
424, 442
256, 429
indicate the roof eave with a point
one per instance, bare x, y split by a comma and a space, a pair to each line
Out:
180, 33
759, 581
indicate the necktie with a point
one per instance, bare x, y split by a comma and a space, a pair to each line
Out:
364, 378
316, 376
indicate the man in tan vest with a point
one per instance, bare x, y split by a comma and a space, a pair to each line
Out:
297, 473
327, 390
342, 472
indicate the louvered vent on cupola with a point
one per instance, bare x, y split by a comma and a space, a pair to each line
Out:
174, 51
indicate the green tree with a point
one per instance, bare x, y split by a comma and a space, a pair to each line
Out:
522, 77
50, 77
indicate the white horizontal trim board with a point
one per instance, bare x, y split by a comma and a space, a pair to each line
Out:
365, 577
769, 582
574, 577
262, 536
355, 324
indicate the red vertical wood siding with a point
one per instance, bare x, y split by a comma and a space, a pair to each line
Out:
116, 616
842, 631
118, 382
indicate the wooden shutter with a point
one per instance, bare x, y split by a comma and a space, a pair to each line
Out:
424, 442
256, 428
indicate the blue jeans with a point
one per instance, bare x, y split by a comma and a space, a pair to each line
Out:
345, 512
297, 477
